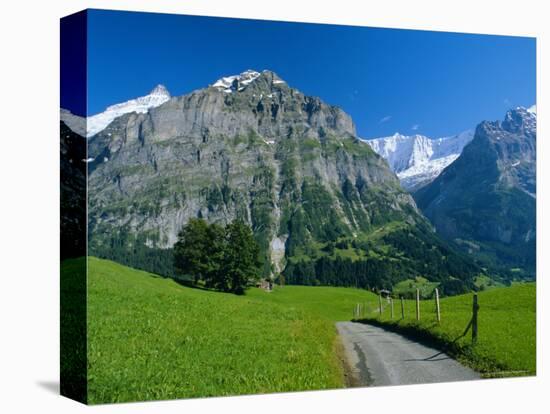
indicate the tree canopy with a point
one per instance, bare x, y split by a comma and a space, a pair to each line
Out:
225, 259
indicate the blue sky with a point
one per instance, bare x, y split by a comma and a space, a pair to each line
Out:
388, 80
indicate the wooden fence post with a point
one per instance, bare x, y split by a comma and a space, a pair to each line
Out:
475, 309
380, 304
417, 304
402, 309
391, 304
437, 309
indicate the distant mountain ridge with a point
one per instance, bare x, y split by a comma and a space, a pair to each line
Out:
417, 159
485, 201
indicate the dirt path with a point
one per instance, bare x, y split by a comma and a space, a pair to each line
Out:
379, 357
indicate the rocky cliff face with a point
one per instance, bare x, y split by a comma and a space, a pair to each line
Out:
248, 147
73, 189
485, 201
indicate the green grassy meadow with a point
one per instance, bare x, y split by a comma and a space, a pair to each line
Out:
151, 338
506, 344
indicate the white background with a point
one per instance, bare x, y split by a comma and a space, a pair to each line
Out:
29, 206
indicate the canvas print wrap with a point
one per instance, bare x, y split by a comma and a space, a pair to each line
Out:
256, 207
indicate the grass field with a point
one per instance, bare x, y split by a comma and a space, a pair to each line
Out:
506, 344
151, 338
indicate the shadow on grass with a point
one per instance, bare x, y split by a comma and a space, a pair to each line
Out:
191, 284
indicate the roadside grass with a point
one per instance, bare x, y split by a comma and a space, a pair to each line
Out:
150, 338
506, 344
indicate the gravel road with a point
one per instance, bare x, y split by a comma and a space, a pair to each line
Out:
379, 357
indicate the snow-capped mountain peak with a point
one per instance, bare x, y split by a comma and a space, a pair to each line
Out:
99, 122
234, 83
417, 159
160, 90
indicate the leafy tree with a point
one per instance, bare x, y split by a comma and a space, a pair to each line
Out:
240, 265
199, 250
225, 259
215, 240
453, 287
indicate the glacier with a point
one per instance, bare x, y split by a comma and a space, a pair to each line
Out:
99, 122
417, 159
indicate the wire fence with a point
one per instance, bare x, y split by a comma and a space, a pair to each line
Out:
386, 304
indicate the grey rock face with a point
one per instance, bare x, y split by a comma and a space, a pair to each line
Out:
75, 123
286, 163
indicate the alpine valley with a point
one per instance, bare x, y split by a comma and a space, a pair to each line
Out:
323, 205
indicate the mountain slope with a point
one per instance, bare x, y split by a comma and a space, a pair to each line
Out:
75, 123
417, 159
253, 148
72, 192
486, 200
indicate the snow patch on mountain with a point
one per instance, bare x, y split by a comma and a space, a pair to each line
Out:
99, 122
417, 159
229, 84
